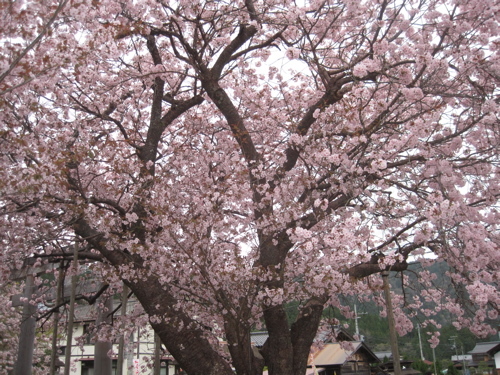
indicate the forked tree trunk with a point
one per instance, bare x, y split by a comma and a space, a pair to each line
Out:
285, 353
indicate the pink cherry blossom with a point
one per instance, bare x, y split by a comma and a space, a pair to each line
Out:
225, 158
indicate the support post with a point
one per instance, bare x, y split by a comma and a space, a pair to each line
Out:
102, 361
121, 343
71, 317
434, 360
392, 325
59, 286
24, 363
464, 368
157, 361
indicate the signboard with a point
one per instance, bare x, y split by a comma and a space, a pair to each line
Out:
137, 366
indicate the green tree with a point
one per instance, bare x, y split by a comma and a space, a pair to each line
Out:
421, 366
452, 370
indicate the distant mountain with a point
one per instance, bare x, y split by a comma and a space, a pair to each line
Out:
375, 329
452, 342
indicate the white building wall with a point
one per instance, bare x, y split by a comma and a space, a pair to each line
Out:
137, 356
464, 357
497, 361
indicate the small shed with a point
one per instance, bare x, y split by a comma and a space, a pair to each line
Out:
343, 359
483, 355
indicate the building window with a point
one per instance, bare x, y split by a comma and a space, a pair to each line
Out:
88, 334
88, 367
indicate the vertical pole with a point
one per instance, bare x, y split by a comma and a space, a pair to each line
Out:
137, 360
157, 362
24, 363
138, 342
130, 353
102, 361
356, 319
434, 361
121, 343
420, 343
464, 368
392, 325
59, 286
71, 318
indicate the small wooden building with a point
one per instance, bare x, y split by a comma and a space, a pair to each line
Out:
483, 357
348, 358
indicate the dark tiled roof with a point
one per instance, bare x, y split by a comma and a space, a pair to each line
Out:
484, 347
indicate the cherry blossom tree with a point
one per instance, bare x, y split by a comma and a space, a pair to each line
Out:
8, 337
11, 318
223, 158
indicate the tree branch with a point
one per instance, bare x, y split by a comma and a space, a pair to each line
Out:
246, 32
332, 95
91, 300
30, 46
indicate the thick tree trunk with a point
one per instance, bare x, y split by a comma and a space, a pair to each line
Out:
244, 357
303, 332
287, 348
180, 334
278, 349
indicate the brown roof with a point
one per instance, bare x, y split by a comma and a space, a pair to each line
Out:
332, 354
335, 354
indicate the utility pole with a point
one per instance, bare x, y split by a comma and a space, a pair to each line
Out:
392, 324
69, 336
434, 361
356, 317
24, 363
464, 369
454, 339
420, 343
59, 287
